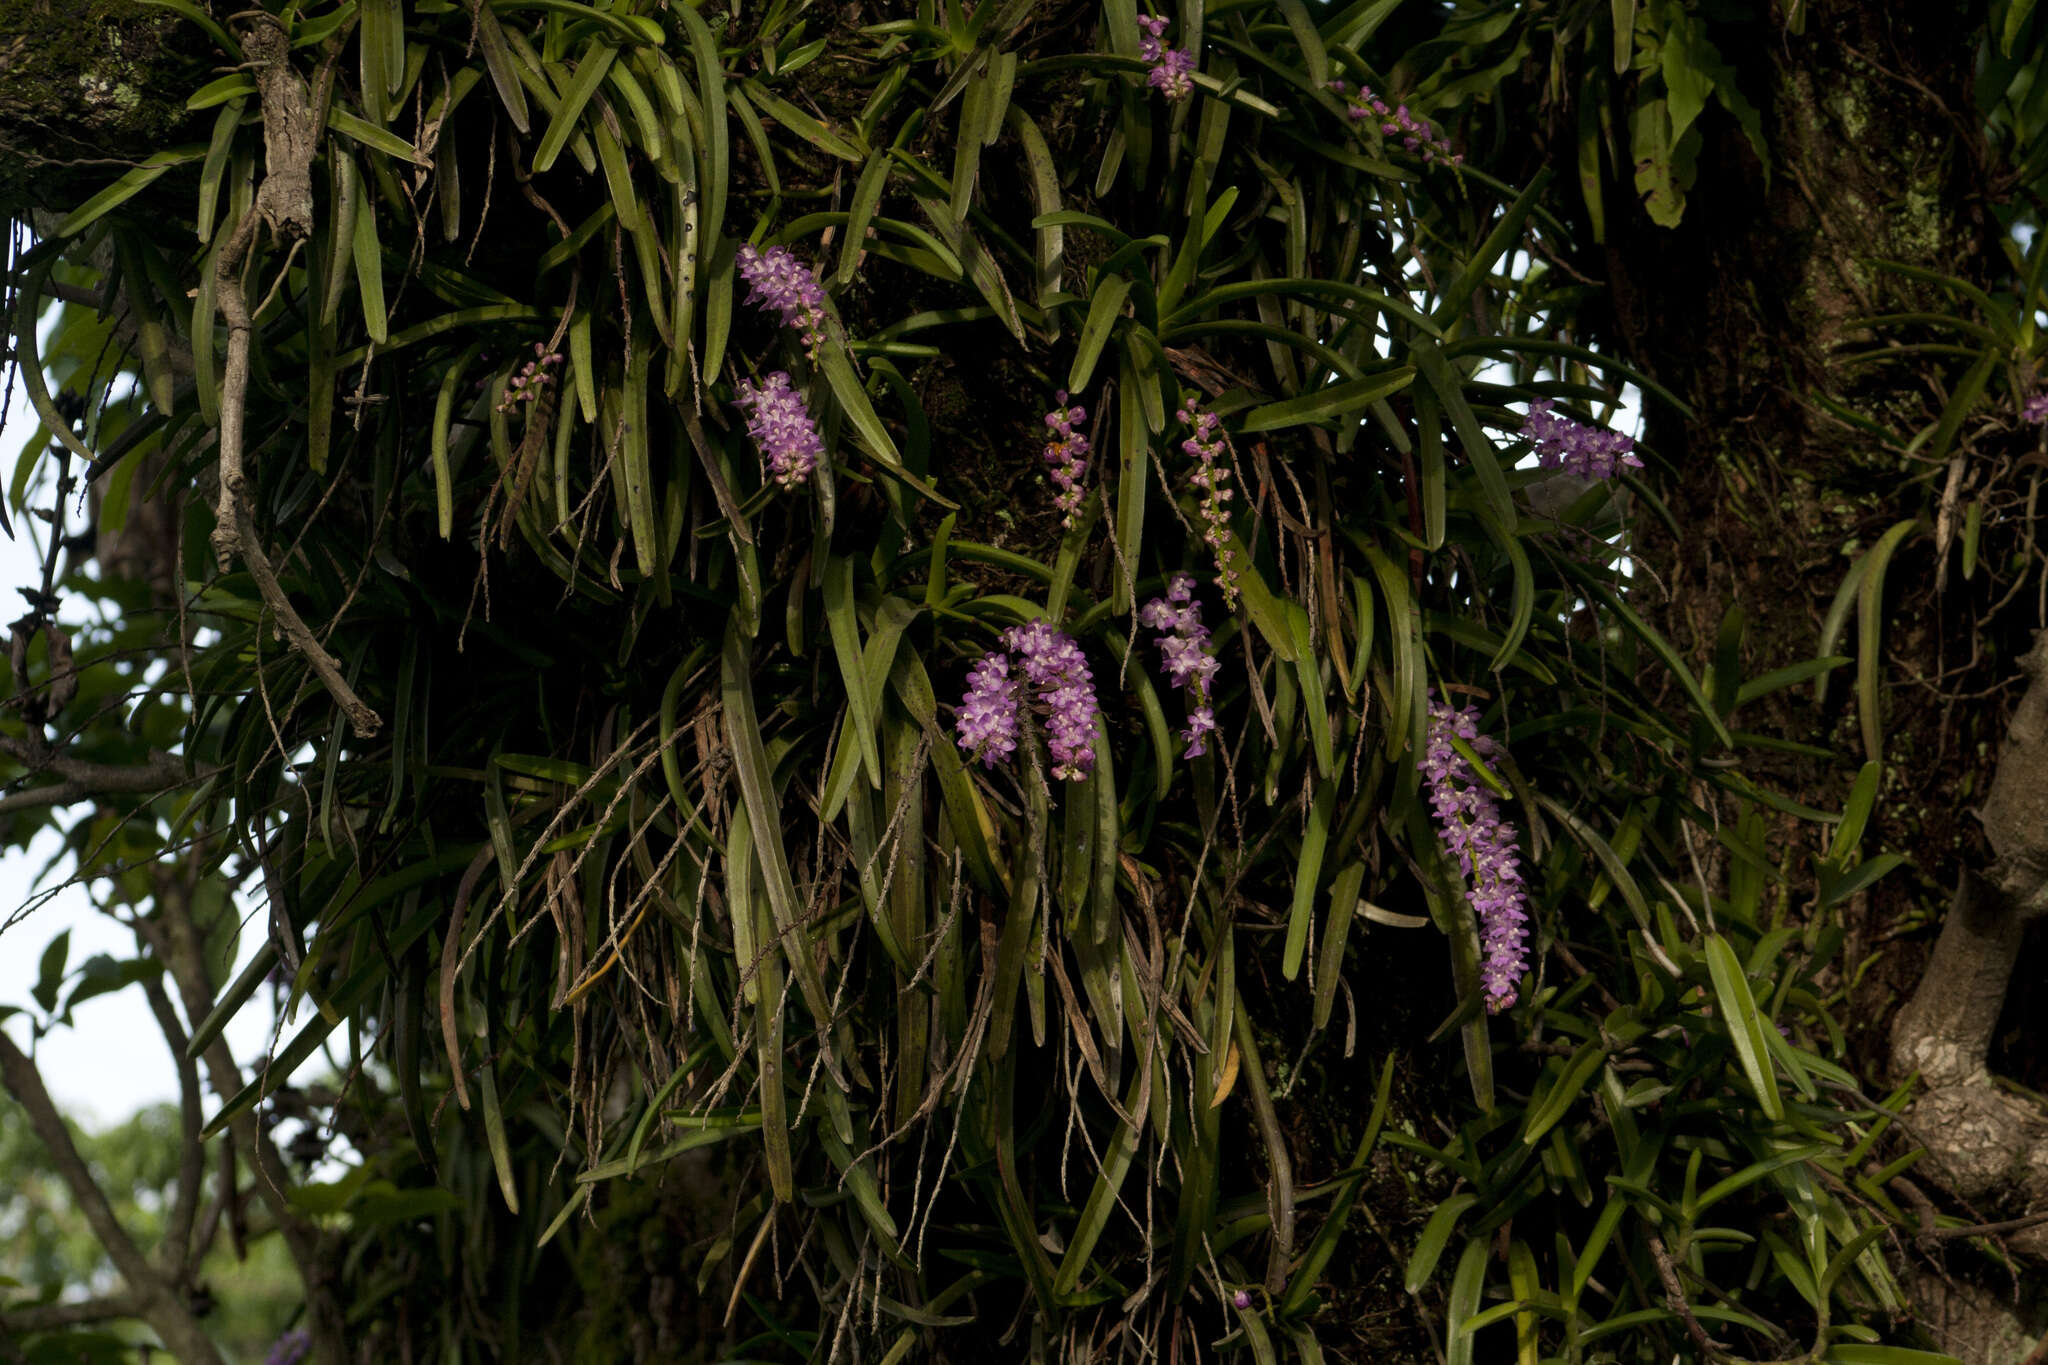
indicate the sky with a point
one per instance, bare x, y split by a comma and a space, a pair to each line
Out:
113, 1060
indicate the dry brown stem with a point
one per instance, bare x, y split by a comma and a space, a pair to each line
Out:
284, 204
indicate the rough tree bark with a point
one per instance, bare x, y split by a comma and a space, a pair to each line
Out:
88, 86
1984, 1141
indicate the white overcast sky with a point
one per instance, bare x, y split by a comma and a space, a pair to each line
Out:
112, 1060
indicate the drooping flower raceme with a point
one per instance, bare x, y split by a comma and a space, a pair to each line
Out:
1468, 819
1066, 450
1414, 133
1184, 652
782, 428
533, 378
1173, 68
1588, 452
777, 279
1064, 695
1208, 447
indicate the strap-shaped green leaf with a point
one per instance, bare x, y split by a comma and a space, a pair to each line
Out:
126, 188
1745, 1024
1104, 307
1429, 1247
1330, 402
757, 791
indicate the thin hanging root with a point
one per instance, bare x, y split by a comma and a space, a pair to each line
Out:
284, 203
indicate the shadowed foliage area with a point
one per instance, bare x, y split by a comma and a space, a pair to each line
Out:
943, 681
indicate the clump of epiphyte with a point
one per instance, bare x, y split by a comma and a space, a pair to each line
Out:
1588, 452
2035, 409
1468, 820
776, 279
1414, 133
985, 725
1210, 448
1173, 68
533, 378
782, 428
1184, 653
1066, 450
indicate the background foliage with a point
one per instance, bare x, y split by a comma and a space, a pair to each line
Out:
691, 991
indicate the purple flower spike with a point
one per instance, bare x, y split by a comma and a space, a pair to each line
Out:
1057, 670
1184, 651
1066, 450
1588, 452
782, 428
987, 723
1173, 68
1469, 822
1413, 133
1209, 447
777, 279
533, 378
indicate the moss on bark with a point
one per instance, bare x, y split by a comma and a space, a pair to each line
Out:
87, 89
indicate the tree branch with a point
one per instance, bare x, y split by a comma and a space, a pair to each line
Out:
177, 939
158, 1303
284, 202
179, 1256
1981, 1140
47, 1316
82, 778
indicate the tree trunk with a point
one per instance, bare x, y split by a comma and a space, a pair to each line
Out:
1751, 311
87, 86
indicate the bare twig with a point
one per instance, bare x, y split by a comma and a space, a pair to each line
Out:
1986, 1229
1675, 1300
